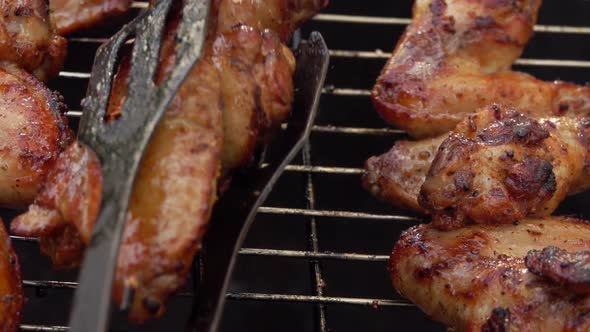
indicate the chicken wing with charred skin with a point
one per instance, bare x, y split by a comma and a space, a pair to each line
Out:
498, 166
455, 57
475, 278
28, 39
73, 15
398, 175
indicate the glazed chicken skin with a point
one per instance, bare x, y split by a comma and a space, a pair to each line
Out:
237, 94
498, 166
175, 188
28, 38
33, 132
475, 278
280, 16
455, 57
73, 15
11, 291
262, 91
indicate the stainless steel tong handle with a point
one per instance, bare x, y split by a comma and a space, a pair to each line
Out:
120, 143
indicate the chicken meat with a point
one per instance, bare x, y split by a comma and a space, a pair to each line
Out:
526, 276
498, 166
29, 39
397, 176
456, 57
74, 15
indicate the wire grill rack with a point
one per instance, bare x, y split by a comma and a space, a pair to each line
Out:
315, 259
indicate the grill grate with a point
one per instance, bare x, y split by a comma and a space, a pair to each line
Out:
304, 250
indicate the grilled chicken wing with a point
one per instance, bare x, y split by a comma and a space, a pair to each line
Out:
475, 278
11, 292
28, 39
398, 175
73, 15
455, 57
175, 189
499, 166
33, 131
239, 91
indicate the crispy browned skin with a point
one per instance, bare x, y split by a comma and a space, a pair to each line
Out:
455, 57
11, 292
73, 15
28, 39
239, 91
72, 192
498, 166
397, 176
569, 269
459, 277
33, 131
280, 16
256, 69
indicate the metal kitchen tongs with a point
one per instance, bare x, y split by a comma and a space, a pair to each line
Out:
235, 212
120, 143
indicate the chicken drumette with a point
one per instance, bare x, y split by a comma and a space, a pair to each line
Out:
498, 277
455, 57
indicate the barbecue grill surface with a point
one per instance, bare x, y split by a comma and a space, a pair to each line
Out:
318, 212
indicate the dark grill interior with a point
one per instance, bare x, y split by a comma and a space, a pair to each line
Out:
315, 259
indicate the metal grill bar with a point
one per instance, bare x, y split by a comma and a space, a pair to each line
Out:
358, 130
24, 239
313, 255
317, 279
379, 54
248, 252
43, 328
50, 284
335, 214
321, 129
324, 169
73, 74
331, 90
319, 299
338, 18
